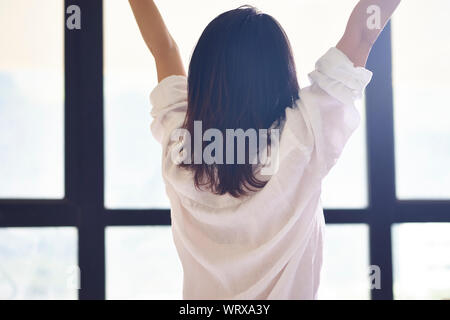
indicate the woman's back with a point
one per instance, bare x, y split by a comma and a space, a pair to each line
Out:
246, 212
268, 243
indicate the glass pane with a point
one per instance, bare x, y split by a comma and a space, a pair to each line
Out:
31, 99
346, 184
38, 263
132, 161
133, 176
421, 261
421, 66
142, 263
345, 273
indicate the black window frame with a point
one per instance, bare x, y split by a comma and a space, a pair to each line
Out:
83, 204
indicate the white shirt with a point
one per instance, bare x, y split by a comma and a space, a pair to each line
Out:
267, 245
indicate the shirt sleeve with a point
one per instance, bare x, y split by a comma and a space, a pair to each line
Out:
169, 105
329, 104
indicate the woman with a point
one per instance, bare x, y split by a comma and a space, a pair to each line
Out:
243, 232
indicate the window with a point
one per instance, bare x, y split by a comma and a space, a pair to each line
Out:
422, 113
31, 99
132, 171
38, 263
132, 269
345, 269
420, 261
81, 185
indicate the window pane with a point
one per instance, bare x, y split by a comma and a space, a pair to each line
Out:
142, 263
133, 177
346, 184
132, 157
422, 109
38, 263
31, 99
421, 261
345, 273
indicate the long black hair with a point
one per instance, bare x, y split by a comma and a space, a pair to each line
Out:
241, 75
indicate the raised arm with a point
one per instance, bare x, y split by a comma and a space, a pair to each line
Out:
158, 39
364, 26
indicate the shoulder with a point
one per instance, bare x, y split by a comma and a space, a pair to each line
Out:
169, 105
